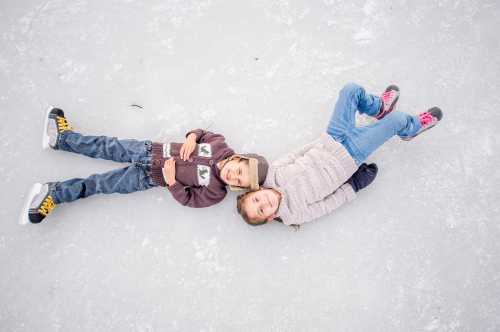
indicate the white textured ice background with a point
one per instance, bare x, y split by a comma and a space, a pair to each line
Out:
419, 249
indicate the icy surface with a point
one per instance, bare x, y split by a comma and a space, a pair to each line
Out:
417, 251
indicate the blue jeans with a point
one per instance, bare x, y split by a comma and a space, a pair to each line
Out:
126, 180
361, 142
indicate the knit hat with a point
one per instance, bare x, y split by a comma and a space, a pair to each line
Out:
257, 170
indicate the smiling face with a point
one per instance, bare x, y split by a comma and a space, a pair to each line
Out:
236, 173
260, 206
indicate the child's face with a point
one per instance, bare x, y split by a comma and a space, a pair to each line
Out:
262, 204
235, 173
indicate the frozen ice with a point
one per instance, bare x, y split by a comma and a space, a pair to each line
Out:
416, 251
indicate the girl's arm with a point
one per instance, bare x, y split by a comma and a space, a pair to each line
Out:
363, 177
339, 197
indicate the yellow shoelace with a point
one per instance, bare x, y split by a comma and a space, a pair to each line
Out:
63, 124
47, 206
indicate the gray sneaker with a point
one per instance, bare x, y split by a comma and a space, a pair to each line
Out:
427, 120
55, 124
38, 205
389, 99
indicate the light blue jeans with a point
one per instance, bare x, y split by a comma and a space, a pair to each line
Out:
134, 177
360, 142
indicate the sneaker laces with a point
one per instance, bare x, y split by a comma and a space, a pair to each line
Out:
426, 119
387, 97
62, 124
47, 206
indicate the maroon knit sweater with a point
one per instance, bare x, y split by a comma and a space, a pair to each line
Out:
198, 182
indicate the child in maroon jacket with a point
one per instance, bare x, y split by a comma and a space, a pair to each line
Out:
196, 172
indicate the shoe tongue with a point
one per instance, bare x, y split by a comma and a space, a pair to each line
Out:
38, 199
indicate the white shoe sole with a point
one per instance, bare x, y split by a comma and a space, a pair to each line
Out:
46, 138
423, 131
24, 217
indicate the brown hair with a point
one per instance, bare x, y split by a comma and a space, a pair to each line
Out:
239, 205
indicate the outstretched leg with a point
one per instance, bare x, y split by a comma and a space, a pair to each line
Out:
110, 148
59, 135
124, 181
42, 199
365, 140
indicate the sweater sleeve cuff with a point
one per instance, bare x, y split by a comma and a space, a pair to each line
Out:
176, 187
197, 132
349, 191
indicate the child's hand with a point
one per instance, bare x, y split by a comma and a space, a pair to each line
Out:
188, 147
169, 171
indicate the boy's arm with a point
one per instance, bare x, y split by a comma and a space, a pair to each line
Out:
204, 136
196, 197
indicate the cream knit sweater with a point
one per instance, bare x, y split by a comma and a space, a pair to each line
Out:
312, 180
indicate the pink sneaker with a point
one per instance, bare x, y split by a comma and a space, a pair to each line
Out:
427, 120
389, 99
